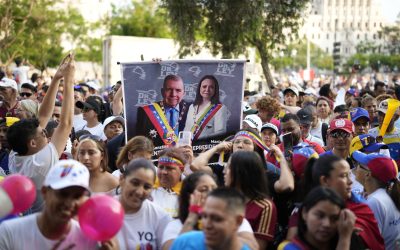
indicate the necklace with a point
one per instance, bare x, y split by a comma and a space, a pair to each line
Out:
181, 113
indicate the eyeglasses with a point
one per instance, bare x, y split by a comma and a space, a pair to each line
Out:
23, 94
90, 136
341, 134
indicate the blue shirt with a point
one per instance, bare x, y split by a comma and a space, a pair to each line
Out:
193, 240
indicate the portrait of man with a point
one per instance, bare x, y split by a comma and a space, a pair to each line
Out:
161, 121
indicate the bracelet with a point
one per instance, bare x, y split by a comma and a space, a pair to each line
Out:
195, 209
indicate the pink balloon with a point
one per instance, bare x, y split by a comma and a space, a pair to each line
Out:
101, 217
20, 190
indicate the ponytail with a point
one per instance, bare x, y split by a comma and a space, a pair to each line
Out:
394, 192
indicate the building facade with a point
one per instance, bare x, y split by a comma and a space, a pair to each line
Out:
349, 22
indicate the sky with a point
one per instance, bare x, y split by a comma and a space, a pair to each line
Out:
390, 9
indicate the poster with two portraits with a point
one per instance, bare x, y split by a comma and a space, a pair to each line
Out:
161, 99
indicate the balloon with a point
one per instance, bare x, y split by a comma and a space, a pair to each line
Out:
101, 217
393, 104
20, 190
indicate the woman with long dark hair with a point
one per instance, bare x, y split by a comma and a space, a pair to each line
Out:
207, 117
334, 172
324, 222
144, 221
245, 172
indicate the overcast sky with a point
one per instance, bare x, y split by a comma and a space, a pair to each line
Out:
390, 9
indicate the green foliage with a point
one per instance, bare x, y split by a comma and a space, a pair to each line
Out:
32, 29
318, 58
143, 18
375, 61
230, 26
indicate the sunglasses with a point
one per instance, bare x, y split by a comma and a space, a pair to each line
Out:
90, 136
23, 94
341, 134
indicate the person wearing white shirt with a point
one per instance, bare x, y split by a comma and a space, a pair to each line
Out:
379, 175
92, 111
144, 221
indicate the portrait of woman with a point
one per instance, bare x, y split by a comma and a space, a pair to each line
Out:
207, 116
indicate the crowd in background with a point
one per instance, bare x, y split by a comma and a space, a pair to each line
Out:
334, 186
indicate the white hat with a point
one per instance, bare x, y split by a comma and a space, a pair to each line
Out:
293, 89
67, 173
93, 85
8, 83
383, 106
270, 126
253, 121
113, 119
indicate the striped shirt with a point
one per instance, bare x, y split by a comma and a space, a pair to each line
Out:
262, 216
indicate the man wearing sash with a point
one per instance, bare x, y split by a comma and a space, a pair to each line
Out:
161, 121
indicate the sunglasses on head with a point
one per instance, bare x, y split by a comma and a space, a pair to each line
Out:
90, 136
23, 94
340, 133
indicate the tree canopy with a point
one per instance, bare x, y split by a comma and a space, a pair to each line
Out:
228, 27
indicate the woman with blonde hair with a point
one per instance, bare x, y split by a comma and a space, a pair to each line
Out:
137, 147
27, 109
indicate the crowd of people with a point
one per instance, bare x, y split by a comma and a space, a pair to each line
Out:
311, 168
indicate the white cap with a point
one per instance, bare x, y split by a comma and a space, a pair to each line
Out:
383, 106
93, 85
67, 173
113, 119
8, 83
254, 121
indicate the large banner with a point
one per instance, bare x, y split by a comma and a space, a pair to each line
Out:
165, 98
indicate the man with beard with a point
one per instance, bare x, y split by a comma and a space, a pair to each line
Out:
222, 215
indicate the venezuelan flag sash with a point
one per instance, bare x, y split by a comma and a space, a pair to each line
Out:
201, 123
159, 120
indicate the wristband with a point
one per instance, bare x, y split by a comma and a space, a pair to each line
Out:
195, 209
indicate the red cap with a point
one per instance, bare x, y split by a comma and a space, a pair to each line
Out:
341, 124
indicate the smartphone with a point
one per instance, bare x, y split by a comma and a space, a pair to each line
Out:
288, 145
184, 138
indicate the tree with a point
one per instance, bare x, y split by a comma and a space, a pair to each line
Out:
32, 29
319, 59
142, 18
228, 27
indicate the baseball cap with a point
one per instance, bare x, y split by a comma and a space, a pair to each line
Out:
291, 88
93, 85
67, 173
365, 143
113, 119
270, 126
8, 83
352, 91
300, 157
357, 113
305, 116
383, 106
341, 124
253, 121
92, 102
381, 166
247, 110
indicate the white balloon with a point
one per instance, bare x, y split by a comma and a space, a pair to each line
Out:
6, 204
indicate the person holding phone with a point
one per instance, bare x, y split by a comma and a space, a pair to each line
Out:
207, 116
